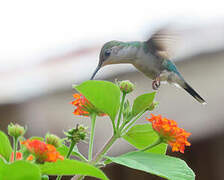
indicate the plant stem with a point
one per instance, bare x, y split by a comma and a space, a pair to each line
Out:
159, 141
104, 150
15, 142
93, 122
100, 154
132, 122
124, 123
78, 177
81, 177
114, 127
72, 145
121, 109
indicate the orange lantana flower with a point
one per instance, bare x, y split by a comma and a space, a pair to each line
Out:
83, 107
169, 131
19, 156
41, 151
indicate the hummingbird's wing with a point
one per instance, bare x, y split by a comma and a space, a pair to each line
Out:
159, 45
162, 42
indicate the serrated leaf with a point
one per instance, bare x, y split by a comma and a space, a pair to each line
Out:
161, 165
142, 102
72, 167
103, 95
5, 146
142, 135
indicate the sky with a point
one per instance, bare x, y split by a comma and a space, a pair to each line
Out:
33, 30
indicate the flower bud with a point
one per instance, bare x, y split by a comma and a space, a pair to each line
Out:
77, 134
126, 86
53, 140
15, 130
44, 177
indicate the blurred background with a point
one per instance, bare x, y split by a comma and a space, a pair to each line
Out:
46, 46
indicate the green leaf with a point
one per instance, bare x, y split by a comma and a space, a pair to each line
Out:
142, 135
165, 166
19, 170
103, 95
72, 167
5, 146
63, 150
142, 102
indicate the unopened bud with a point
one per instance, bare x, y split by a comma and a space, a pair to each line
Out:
126, 86
15, 130
53, 140
44, 177
77, 134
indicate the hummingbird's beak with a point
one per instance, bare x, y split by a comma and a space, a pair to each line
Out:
97, 69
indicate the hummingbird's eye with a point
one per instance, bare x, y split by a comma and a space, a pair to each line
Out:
107, 53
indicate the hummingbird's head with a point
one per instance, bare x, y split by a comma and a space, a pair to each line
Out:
108, 55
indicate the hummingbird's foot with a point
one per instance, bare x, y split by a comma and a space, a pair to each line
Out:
156, 84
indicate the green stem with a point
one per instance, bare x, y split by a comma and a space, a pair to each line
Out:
81, 157
124, 123
132, 122
99, 155
104, 150
114, 127
159, 141
72, 145
121, 109
81, 177
78, 177
15, 142
93, 122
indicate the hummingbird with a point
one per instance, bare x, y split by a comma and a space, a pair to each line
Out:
150, 57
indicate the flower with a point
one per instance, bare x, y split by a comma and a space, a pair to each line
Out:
41, 151
30, 158
83, 107
77, 134
169, 131
126, 86
15, 130
19, 156
53, 140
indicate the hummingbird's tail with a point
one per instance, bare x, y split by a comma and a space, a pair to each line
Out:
192, 92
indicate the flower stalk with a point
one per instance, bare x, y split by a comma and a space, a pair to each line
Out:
93, 122
72, 145
104, 150
156, 143
15, 131
121, 109
132, 122
15, 143
100, 154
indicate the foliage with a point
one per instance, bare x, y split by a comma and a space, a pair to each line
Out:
41, 157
